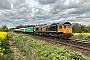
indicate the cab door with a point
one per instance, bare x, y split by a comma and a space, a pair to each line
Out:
60, 28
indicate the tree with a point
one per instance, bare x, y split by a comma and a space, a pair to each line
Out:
4, 28
20, 26
88, 28
84, 28
76, 27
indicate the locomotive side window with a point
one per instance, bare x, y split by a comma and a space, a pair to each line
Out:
53, 28
64, 26
41, 29
60, 27
37, 29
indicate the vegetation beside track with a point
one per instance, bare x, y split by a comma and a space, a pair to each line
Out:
43, 51
5, 52
81, 36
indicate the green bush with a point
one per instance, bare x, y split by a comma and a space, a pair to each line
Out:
8, 57
23, 52
4, 28
5, 44
7, 51
5, 48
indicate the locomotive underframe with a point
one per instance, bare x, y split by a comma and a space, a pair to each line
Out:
60, 35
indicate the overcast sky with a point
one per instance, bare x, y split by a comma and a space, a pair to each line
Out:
16, 12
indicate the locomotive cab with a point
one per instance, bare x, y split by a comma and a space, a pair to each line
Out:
67, 32
67, 28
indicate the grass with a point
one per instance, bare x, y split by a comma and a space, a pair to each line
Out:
43, 51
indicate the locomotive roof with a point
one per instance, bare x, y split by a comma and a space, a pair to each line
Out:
41, 26
29, 27
37, 26
54, 24
60, 23
64, 23
67, 23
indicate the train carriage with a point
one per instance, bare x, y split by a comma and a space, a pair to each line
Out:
29, 30
19, 30
37, 30
61, 30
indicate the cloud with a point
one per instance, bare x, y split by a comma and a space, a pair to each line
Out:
4, 4
64, 9
46, 1
57, 11
16, 2
83, 8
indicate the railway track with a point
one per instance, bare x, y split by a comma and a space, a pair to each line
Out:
76, 45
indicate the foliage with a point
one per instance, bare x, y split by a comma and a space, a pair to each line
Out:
24, 26
7, 57
6, 46
23, 52
18, 43
78, 28
2, 39
45, 51
4, 28
5, 52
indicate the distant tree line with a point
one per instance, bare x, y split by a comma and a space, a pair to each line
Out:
24, 26
78, 28
4, 28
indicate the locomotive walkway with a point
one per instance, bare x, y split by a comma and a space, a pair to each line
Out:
16, 53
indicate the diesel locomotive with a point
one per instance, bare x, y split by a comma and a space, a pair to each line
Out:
59, 30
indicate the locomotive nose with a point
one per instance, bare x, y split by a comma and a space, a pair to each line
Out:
68, 30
